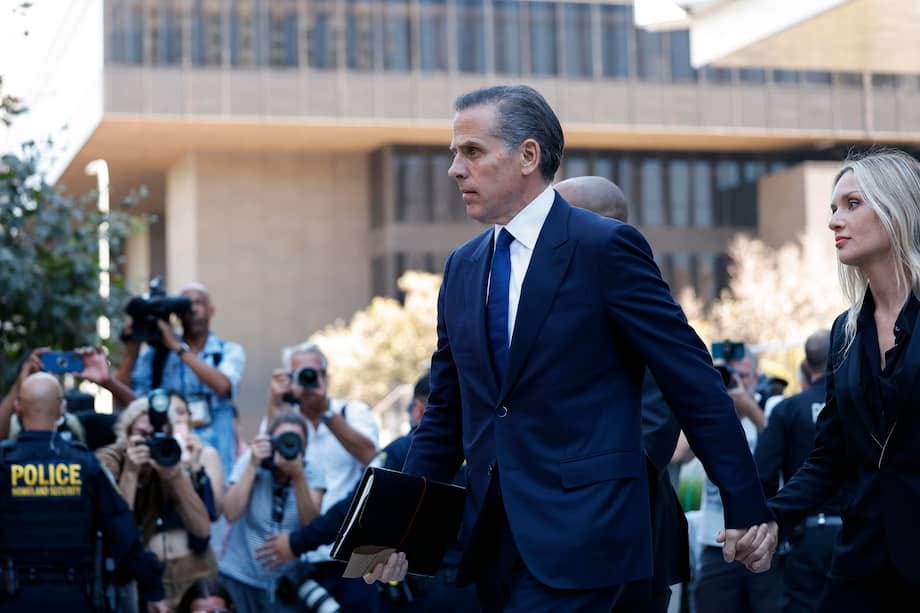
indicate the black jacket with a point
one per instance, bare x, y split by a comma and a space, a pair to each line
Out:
879, 475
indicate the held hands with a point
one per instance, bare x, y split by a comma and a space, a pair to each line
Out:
753, 547
393, 571
276, 551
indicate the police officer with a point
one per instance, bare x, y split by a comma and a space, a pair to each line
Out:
54, 497
781, 450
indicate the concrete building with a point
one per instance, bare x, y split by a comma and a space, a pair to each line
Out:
296, 150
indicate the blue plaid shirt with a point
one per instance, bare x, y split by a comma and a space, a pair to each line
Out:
230, 359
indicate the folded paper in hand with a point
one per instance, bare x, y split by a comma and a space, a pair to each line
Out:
392, 511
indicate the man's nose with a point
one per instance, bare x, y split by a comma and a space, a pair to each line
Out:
457, 169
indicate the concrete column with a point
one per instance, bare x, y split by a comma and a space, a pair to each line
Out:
282, 242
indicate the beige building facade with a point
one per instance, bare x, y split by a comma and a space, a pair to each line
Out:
295, 151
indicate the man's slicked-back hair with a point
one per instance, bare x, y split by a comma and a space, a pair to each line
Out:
522, 113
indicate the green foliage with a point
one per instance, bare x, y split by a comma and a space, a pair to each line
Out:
49, 263
9, 106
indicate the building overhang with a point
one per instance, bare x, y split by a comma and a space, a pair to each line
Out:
834, 35
140, 149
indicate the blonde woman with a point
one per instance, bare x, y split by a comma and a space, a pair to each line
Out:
867, 440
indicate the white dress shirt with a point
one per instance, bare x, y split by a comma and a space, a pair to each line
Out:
525, 228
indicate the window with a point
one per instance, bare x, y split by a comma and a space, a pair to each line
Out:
715, 74
543, 47
507, 36
786, 77
413, 191
679, 192
165, 34
126, 36
702, 203
650, 60
577, 27
282, 33
753, 75
245, 34
651, 205
207, 33
360, 35
470, 36
616, 29
433, 35
681, 70
322, 33
396, 35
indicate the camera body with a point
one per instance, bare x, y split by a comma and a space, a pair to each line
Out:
298, 585
307, 378
723, 353
164, 448
147, 309
288, 444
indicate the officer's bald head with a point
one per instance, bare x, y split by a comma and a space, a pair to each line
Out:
596, 194
41, 402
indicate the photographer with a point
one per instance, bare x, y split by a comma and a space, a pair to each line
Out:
342, 440
272, 488
174, 520
204, 368
719, 586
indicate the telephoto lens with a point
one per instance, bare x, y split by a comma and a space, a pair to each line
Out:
298, 585
164, 449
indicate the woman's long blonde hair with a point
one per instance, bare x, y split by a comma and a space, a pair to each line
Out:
889, 180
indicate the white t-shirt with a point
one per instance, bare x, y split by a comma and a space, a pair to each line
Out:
712, 517
341, 470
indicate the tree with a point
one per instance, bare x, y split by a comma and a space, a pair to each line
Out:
386, 344
776, 297
49, 263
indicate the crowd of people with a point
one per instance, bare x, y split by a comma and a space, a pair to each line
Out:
565, 386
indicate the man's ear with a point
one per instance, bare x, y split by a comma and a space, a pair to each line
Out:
530, 156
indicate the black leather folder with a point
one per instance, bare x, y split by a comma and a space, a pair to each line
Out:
393, 511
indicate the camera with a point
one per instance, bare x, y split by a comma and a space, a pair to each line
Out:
288, 444
163, 447
723, 353
298, 585
147, 309
307, 378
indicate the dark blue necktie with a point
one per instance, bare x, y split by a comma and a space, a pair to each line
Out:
497, 305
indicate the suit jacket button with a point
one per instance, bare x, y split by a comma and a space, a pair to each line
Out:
491, 468
502, 411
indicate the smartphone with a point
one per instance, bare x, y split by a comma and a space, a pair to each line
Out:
61, 361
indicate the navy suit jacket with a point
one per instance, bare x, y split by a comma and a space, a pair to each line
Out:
563, 429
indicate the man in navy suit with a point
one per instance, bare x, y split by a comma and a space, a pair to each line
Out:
546, 324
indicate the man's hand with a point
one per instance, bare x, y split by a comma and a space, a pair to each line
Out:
170, 341
95, 365
394, 570
279, 386
276, 551
753, 547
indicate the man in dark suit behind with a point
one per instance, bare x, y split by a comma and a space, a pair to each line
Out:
660, 431
546, 324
